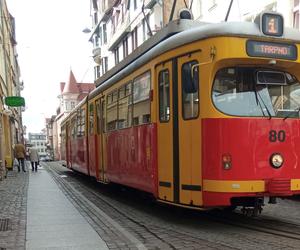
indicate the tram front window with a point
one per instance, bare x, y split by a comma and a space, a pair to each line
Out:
256, 92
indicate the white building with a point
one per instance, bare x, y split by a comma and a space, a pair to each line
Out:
121, 26
243, 10
38, 140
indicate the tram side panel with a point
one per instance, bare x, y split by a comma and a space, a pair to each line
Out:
131, 157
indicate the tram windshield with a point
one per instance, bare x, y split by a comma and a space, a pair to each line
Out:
242, 91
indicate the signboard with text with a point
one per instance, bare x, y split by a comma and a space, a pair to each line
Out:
273, 50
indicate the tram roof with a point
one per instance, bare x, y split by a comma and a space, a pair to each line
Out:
182, 32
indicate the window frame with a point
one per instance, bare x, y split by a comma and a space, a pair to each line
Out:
149, 97
130, 95
159, 99
182, 92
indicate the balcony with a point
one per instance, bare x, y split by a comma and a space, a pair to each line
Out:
97, 55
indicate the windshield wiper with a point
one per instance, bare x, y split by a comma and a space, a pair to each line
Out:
289, 114
257, 94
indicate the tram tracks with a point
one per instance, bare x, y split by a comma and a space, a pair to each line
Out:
283, 229
150, 235
146, 238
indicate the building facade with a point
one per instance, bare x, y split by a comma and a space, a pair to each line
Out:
121, 26
11, 128
38, 141
216, 10
72, 92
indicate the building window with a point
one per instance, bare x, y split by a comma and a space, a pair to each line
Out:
116, 53
100, 36
296, 14
104, 34
95, 18
145, 28
104, 65
134, 39
125, 47
97, 71
134, 4
72, 105
96, 41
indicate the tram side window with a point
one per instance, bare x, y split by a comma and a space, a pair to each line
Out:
63, 134
80, 122
190, 90
164, 95
91, 119
73, 128
141, 100
112, 114
98, 115
125, 106
100, 112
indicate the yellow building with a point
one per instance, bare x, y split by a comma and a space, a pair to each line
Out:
10, 85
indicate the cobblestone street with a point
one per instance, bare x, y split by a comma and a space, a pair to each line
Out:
13, 207
122, 219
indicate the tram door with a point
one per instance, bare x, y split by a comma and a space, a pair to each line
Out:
165, 118
179, 131
100, 108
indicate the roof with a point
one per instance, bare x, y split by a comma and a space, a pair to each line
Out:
71, 85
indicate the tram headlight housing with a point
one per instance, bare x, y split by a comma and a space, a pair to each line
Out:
276, 160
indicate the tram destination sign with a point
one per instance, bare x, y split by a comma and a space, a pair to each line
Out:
273, 50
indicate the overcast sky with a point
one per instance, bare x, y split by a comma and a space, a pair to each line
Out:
50, 43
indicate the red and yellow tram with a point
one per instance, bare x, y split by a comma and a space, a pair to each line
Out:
207, 117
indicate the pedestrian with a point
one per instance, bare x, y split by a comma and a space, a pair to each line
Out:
34, 158
20, 152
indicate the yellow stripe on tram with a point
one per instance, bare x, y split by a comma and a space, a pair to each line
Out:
233, 186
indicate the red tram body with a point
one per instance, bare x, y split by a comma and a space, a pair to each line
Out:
207, 117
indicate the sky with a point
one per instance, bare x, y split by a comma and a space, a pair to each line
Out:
50, 42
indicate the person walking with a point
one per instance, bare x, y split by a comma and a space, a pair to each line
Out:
34, 158
20, 152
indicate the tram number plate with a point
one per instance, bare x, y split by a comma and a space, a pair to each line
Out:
275, 136
273, 50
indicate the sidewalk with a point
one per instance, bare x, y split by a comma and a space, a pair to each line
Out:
42, 218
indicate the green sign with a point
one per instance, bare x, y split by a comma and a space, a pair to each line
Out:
15, 101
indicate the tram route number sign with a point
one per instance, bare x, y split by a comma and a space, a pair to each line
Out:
273, 50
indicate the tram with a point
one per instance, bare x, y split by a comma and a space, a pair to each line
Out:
202, 117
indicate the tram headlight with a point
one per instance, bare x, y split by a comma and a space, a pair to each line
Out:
276, 160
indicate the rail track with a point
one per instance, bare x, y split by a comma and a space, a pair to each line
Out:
124, 223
